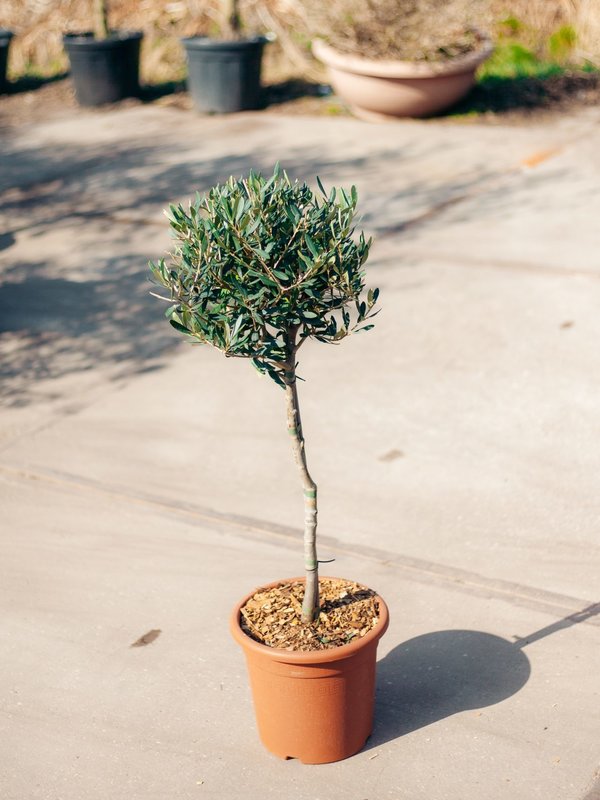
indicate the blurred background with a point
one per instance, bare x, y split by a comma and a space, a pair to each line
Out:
532, 36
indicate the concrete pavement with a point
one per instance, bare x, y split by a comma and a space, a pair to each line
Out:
145, 483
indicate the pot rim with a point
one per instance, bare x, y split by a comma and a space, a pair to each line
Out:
206, 42
87, 38
391, 68
301, 656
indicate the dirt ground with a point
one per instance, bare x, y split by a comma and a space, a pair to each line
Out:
518, 101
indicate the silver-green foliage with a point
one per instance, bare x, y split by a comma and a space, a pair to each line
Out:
261, 265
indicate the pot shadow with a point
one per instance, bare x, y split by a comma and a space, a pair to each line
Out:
29, 83
150, 92
294, 89
439, 674
529, 93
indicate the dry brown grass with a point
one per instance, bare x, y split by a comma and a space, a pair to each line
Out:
587, 25
39, 25
405, 29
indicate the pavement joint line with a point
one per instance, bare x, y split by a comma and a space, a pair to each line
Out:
519, 266
420, 569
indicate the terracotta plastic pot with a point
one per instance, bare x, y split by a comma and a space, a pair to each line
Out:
314, 706
380, 90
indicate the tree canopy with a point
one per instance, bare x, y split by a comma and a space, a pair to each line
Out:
262, 264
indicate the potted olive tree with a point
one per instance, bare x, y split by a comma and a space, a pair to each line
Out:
261, 266
224, 72
104, 63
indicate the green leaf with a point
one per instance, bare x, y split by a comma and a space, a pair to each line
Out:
252, 227
236, 327
305, 259
275, 377
179, 327
311, 245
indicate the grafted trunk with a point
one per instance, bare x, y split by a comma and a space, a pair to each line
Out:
310, 604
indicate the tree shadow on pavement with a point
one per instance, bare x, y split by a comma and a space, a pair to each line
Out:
52, 326
500, 95
151, 92
294, 89
439, 674
85, 303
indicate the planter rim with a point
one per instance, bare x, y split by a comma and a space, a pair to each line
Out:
87, 39
302, 657
207, 42
390, 68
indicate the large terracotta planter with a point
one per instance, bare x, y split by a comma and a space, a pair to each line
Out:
379, 90
314, 706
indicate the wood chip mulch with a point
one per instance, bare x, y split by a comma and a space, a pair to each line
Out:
348, 611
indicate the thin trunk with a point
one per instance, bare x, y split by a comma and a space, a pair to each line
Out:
100, 19
230, 18
310, 605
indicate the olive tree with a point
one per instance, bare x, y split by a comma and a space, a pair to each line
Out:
260, 266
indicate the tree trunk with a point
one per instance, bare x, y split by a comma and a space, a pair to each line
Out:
230, 18
100, 19
310, 605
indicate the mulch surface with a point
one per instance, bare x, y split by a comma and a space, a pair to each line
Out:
519, 101
273, 616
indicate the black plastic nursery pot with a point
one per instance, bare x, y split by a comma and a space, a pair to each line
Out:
224, 76
104, 70
5, 37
